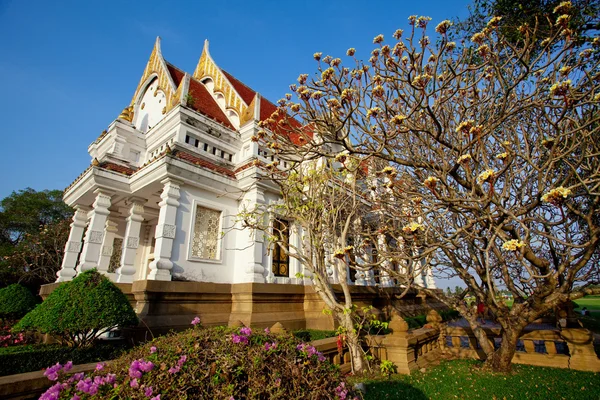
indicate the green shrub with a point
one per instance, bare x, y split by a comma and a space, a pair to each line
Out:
80, 310
416, 322
449, 315
308, 335
215, 363
28, 358
15, 301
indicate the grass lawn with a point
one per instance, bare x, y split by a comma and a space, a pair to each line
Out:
593, 305
462, 379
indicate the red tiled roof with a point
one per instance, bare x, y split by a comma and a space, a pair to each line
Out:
246, 93
204, 103
266, 110
117, 168
203, 163
176, 74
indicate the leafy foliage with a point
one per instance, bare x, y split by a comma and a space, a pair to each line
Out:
16, 301
80, 310
34, 227
308, 335
28, 358
213, 363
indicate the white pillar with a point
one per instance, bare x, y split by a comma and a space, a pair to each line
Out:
92, 243
429, 279
73, 245
110, 232
384, 276
131, 242
255, 270
160, 268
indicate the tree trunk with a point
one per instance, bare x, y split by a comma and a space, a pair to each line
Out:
353, 343
501, 359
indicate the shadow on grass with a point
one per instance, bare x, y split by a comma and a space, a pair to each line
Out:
393, 389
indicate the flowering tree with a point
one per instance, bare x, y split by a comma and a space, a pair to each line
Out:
324, 205
488, 156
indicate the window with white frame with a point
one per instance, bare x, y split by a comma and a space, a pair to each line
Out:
205, 241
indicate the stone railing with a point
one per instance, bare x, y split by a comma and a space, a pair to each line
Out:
414, 349
566, 348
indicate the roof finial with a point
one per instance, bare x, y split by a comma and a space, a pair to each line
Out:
205, 45
126, 114
257, 106
157, 44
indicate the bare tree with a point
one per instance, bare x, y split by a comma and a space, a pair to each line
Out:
488, 155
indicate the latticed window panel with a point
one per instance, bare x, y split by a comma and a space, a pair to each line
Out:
205, 243
281, 261
115, 258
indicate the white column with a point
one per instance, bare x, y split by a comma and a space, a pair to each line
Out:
255, 248
73, 245
384, 276
131, 242
160, 268
429, 279
92, 243
110, 232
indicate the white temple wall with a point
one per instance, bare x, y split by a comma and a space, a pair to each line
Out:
185, 265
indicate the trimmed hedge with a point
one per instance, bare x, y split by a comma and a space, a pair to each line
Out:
308, 335
79, 310
28, 358
15, 301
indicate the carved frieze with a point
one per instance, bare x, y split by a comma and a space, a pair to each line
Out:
133, 242
74, 247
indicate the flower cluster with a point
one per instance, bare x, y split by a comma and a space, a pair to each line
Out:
443, 26
53, 371
177, 368
243, 337
308, 351
465, 158
431, 182
465, 126
486, 176
138, 367
270, 346
195, 321
556, 196
560, 88
502, 156
513, 245
78, 381
341, 392
412, 227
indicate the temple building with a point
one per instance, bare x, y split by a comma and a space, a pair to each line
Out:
166, 181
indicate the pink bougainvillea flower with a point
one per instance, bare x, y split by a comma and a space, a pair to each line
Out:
152, 350
196, 321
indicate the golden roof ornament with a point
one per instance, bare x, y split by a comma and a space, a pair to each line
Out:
127, 114
95, 162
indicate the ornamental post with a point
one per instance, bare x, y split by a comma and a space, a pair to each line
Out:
92, 243
131, 242
73, 246
160, 268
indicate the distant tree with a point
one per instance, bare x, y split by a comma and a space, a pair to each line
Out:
449, 292
535, 14
34, 228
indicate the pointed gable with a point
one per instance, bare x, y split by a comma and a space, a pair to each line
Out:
157, 66
207, 68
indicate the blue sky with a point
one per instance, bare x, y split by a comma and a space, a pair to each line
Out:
67, 69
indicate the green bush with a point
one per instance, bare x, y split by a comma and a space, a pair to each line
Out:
28, 358
215, 363
15, 301
308, 335
80, 310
